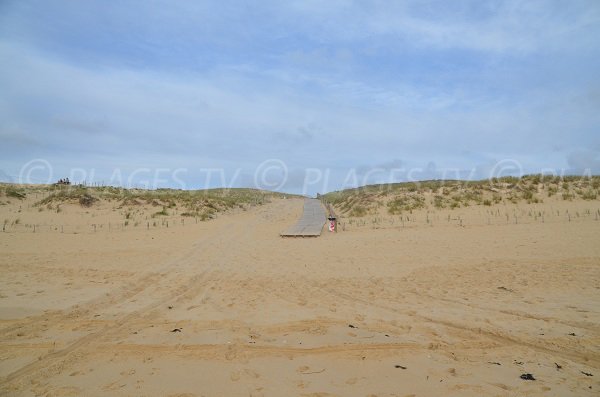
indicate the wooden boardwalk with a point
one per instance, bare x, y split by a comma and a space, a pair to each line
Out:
311, 223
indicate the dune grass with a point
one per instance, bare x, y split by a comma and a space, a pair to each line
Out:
405, 197
201, 204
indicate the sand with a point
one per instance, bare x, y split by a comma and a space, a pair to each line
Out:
435, 305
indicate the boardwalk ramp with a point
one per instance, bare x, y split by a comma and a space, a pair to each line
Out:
311, 223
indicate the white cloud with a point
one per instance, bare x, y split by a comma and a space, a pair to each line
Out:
316, 84
488, 26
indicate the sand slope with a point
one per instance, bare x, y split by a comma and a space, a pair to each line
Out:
229, 308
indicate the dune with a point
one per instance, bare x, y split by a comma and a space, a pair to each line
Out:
111, 298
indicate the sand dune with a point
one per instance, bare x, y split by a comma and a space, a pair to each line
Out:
435, 305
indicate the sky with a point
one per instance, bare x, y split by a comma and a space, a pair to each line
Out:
299, 96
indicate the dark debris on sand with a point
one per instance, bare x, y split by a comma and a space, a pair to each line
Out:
527, 377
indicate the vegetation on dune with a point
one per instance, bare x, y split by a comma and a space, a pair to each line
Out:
11, 191
162, 212
87, 200
404, 203
395, 199
200, 204
406, 197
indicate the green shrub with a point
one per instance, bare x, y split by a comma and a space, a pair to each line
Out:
12, 192
405, 203
190, 214
87, 200
438, 202
589, 194
358, 211
163, 212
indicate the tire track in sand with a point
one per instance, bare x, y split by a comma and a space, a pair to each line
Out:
49, 364
588, 358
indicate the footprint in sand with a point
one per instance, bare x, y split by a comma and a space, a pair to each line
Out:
66, 391
302, 384
114, 386
257, 393
252, 374
305, 370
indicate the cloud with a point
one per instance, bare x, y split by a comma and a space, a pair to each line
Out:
87, 126
456, 85
480, 25
584, 161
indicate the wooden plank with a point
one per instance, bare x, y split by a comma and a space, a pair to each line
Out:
311, 223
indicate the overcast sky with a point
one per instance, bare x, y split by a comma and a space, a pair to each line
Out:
98, 90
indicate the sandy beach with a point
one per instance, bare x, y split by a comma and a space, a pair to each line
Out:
170, 172
229, 308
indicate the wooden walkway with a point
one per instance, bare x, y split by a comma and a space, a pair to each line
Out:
311, 223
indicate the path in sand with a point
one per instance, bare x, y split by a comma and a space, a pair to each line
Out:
310, 223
